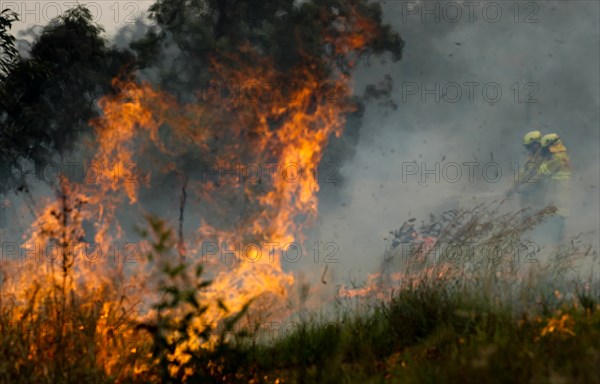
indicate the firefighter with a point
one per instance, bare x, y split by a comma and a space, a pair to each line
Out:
528, 185
555, 171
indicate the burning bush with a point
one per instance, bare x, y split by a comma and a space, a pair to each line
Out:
145, 132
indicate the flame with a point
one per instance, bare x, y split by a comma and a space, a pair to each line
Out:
131, 127
381, 285
351, 32
145, 133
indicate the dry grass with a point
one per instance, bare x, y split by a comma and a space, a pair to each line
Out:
448, 318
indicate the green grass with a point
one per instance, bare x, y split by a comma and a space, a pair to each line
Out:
433, 335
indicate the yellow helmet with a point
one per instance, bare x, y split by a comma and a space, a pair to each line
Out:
549, 139
532, 137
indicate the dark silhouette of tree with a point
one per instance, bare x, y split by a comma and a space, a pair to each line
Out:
8, 51
46, 100
189, 34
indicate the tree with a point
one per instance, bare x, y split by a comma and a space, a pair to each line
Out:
47, 100
282, 30
8, 51
191, 34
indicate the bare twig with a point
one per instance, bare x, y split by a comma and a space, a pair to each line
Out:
323, 275
181, 243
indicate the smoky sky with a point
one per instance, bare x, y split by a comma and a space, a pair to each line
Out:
544, 59
474, 78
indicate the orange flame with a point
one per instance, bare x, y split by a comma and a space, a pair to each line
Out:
291, 129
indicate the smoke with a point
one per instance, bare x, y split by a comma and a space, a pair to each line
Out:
542, 56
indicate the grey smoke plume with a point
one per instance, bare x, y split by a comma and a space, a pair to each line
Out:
547, 50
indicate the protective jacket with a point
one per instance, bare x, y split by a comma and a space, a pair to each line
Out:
556, 176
